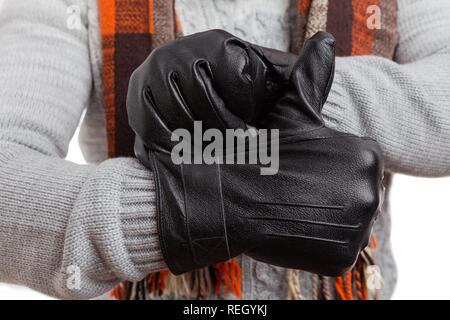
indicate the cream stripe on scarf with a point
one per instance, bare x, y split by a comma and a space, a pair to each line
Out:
317, 18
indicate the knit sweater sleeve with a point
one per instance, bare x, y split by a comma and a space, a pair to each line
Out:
67, 230
405, 105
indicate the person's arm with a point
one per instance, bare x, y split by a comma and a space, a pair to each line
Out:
404, 105
56, 217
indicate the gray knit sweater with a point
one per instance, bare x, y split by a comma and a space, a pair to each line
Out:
99, 219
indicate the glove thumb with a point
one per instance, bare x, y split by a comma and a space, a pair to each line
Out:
313, 72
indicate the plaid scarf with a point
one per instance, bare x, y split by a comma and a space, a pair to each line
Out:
132, 29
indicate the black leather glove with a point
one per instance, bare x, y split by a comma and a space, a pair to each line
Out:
315, 214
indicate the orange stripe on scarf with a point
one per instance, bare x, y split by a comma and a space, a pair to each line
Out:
303, 7
151, 29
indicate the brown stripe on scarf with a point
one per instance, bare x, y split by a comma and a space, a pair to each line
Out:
339, 24
132, 31
386, 39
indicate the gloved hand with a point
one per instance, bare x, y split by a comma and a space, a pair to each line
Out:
315, 214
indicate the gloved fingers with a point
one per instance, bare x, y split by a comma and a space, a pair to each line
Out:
190, 96
216, 114
182, 81
146, 119
231, 75
278, 63
289, 90
222, 59
168, 100
252, 83
313, 73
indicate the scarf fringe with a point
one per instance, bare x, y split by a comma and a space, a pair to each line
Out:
226, 277
193, 285
351, 286
354, 284
295, 292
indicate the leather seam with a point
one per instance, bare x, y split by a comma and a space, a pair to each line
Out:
223, 211
160, 224
186, 223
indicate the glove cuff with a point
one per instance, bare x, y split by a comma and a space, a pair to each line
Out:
191, 218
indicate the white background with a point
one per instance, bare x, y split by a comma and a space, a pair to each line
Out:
421, 220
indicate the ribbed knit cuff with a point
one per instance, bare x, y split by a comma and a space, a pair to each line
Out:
138, 217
